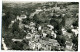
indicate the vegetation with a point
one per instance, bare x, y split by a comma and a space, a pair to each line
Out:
43, 18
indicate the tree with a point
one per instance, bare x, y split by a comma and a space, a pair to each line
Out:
61, 39
17, 45
75, 42
15, 27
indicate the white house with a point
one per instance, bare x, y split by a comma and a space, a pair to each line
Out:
69, 45
53, 34
21, 17
51, 27
20, 40
76, 31
32, 45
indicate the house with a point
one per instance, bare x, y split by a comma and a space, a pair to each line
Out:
56, 8
39, 28
51, 27
76, 31
21, 17
39, 9
28, 36
47, 44
54, 42
32, 14
69, 46
51, 42
65, 33
64, 30
20, 40
21, 25
53, 34
12, 22
32, 28
44, 34
37, 36
32, 45
32, 24
38, 45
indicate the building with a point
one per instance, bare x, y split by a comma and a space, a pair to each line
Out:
21, 17
20, 40
69, 46
49, 43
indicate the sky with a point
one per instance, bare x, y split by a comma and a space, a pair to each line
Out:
38, 0
23, 1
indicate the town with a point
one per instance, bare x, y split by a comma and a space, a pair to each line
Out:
44, 26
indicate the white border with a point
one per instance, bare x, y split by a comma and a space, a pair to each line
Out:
0, 19
36, 1
43, 0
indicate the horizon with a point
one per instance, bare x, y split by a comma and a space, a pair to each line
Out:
33, 1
